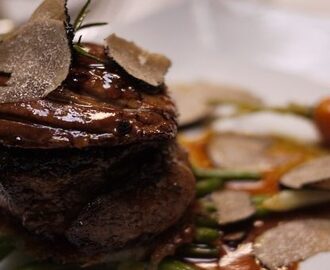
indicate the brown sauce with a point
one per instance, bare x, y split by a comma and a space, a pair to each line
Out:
237, 255
98, 104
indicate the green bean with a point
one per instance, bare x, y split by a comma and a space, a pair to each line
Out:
261, 211
288, 200
208, 206
80, 50
198, 251
204, 221
207, 186
206, 235
258, 200
226, 174
81, 16
175, 265
7, 245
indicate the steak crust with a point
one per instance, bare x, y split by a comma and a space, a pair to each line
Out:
46, 189
93, 170
136, 215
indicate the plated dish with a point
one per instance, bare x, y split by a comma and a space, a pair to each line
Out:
100, 171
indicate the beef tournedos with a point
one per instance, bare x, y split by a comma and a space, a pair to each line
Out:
95, 163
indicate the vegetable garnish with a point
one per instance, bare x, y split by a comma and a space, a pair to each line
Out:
321, 117
226, 174
288, 200
269, 205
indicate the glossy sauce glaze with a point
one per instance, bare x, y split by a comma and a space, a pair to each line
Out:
98, 104
237, 239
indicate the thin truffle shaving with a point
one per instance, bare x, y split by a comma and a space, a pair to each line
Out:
232, 206
314, 173
37, 55
50, 9
141, 64
293, 241
38, 59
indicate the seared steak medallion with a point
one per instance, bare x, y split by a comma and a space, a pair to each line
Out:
95, 164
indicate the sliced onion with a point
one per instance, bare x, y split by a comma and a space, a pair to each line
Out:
287, 200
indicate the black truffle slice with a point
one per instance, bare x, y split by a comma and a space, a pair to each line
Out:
232, 206
312, 174
37, 55
292, 242
141, 64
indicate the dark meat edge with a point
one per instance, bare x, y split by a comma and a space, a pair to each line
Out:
162, 246
47, 189
136, 214
134, 245
141, 115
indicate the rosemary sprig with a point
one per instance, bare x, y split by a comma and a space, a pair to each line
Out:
79, 49
79, 40
78, 25
81, 16
87, 25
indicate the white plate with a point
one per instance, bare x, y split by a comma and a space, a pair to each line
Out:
280, 54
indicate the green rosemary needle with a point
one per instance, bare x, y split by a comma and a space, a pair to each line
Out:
79, 49
81, 16
87, 25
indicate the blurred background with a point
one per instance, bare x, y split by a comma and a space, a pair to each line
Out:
276, 48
